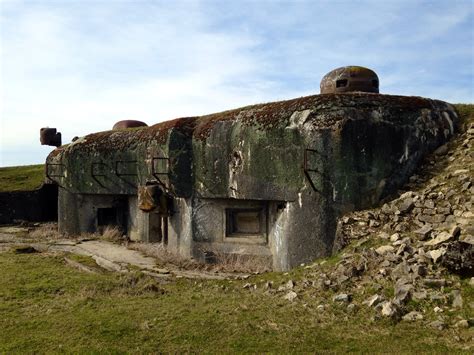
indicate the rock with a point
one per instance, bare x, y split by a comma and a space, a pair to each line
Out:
468, 239
437, 324
463, 323
429, 204
394, 237
424, 232
460, 171
384, 235
347, 220
419, 295
422, 257
426, 217
455, 231
404, 249
406, 205
373, 301
437, 297
385, 263
373, 223
457, 298
351, 307
290, 296
440, 238
441, 150
401, 270
406, 195
436, 254
412, 316
402, 227
289, 285
419, 270
402, 292
435, 283
389, 309
438, 310
384, 249
342, 297
459, 258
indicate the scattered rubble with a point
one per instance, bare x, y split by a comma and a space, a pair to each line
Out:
417, 247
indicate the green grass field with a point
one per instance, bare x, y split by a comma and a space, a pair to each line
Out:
27, 177
46, 306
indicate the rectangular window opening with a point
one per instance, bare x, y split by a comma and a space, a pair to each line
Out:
246, 224
341, 83
107, 217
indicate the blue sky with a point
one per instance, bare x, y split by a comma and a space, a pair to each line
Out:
80, 66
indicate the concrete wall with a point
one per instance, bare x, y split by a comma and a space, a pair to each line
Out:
78, 213
39, 205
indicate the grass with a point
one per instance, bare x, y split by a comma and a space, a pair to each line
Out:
21, 178
50, 307
465, 110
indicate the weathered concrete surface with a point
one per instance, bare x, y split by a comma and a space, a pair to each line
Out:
302, 162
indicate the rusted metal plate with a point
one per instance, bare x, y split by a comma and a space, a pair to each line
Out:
148, 197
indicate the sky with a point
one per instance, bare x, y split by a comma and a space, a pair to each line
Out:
81, 66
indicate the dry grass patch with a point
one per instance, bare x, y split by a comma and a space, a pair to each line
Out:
219, 262
112, 234
46, 231
164, 256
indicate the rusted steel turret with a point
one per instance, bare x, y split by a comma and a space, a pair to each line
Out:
350, 79
129, 124
50, 136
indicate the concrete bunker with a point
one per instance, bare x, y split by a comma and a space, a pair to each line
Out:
266, 181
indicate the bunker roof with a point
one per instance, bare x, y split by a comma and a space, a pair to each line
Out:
263, 116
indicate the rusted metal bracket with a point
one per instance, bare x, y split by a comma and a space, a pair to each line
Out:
94, 174
51, 176
122, 175
308, 170
157, 174
118, 162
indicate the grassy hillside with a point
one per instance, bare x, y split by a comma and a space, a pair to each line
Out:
50, 307
27, 177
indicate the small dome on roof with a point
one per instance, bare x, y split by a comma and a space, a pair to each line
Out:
129, 124
350, 79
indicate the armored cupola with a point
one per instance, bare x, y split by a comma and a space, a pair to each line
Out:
350, 79
128, 124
